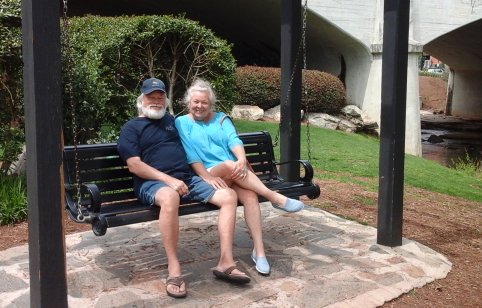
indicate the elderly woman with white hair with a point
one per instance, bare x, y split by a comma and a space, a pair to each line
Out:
217, 155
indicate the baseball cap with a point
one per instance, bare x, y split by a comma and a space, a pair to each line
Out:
152, 84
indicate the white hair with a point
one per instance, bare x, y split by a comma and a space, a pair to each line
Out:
200, 85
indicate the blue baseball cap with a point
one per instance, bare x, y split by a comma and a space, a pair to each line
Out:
152, 84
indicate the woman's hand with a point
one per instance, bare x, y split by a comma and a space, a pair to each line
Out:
216, 182
240, 170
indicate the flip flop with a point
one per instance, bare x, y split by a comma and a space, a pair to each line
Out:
235, 278
176, 281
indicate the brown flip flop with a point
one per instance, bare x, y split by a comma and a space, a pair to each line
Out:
228, 276
176, 281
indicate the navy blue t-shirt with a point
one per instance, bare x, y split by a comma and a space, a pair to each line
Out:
157, 143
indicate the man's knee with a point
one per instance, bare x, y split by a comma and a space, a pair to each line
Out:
167, 199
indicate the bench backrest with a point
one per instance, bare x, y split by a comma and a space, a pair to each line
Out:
101, 164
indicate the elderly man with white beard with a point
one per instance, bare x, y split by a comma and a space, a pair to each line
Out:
151, 146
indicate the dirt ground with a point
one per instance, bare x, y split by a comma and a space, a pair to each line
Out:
433, 92
449, 225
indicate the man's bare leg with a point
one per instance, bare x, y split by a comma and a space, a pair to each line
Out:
168, 200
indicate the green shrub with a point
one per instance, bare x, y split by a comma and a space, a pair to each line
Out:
112, 55
468, 165
260, 86
444, 76
11, 88
11, 145
13, 199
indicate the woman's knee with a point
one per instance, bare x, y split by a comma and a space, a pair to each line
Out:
224, 197
246, 196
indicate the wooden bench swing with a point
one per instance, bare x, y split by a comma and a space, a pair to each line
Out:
106, 196
99, 187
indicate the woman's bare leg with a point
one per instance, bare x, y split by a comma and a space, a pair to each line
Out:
250, 182
252, 215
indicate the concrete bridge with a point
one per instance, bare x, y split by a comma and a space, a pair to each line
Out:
344, 37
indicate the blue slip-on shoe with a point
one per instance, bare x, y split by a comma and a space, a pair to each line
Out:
262, 265
291, 206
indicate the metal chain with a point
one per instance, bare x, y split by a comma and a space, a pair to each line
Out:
69, 90
307, 114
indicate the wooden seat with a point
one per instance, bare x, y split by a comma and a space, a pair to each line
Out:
106, 185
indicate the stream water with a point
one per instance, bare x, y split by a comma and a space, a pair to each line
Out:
448, 139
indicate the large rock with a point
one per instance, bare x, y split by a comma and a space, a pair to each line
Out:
352, 119
344, 123
19, 167
323, 120
247, 112
275, 113
352, 111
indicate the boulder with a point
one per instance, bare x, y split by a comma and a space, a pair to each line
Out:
323, 120
247, 112
275, 113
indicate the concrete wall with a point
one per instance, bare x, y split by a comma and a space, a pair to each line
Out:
435, 18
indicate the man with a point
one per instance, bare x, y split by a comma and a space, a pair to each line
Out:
152, 149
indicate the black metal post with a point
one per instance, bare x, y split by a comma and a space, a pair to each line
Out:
392, 122
43, 118
291, 65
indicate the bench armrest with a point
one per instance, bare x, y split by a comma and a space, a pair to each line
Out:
308, 168
92, 204
94, 196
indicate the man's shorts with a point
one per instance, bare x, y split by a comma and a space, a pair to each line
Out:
199, 190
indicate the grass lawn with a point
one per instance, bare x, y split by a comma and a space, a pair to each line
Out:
354, 158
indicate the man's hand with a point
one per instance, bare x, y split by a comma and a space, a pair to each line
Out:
178, 186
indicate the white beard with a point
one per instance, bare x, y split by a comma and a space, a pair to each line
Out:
153, 114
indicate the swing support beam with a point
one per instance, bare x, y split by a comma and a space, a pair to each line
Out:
43, 127
290, 88
392, 122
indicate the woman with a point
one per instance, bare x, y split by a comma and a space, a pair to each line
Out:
217, 155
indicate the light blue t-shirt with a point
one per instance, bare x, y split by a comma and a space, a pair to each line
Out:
208, 143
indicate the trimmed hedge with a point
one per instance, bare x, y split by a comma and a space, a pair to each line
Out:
112, 55
261, 86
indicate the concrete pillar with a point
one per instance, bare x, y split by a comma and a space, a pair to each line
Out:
467, 95
372, 100
413, 140
450, 92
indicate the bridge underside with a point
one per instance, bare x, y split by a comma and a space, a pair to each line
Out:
461, 50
